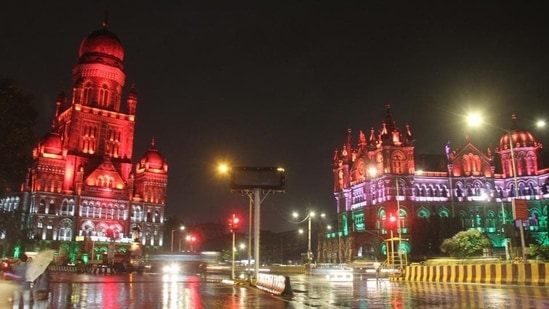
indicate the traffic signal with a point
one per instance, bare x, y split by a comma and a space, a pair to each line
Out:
234, 223
390, 222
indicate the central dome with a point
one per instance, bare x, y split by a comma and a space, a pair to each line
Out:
520, 138
102, 43
154, 159
52, 143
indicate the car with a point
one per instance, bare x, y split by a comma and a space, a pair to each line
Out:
6, 266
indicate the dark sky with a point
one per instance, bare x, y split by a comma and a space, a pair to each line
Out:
278, 83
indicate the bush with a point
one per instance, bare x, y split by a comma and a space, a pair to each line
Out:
465, 244
540, 251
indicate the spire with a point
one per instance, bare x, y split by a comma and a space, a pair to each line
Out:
153, 142
105, 22
361, 139
514, 122
389, 118
348, 143
132, 100
61, 100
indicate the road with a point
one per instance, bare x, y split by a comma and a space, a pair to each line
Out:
191, 291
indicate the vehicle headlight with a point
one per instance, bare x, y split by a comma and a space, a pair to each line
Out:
170, 269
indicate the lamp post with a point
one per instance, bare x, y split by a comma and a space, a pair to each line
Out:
474, 120
515, 181
255, 182
310, 215
181, 228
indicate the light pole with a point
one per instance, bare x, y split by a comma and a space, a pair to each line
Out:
181, 228
310, 215
474, 120
515, 181
255, 182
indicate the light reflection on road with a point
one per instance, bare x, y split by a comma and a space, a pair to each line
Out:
180, 291
372, 293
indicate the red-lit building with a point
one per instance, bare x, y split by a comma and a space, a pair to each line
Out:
83, 185
433, 196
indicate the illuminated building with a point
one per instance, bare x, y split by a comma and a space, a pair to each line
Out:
435, 196
83, 185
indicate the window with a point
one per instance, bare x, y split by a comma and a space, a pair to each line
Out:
104, 96
87, 94
65, 230
398, 162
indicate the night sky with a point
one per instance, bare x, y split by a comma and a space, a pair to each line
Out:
278, 83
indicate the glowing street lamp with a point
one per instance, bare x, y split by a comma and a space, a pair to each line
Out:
476, 120
309, 216
181, 228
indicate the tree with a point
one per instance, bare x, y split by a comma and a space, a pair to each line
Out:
17, 120
465, 244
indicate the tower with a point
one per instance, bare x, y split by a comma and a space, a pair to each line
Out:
83, 185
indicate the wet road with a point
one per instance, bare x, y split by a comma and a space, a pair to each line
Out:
157, 291
371, 293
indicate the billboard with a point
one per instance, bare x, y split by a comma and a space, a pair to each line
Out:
265, 178
520, 209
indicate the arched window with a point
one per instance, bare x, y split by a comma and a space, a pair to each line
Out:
87, 94
65, 208
42, 207
444, 213
403, 220
104, 96
399, 162
491, 221
533, 221
423, 213
65, 230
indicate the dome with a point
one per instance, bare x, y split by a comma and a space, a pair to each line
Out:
520, 138
102, 42
153, 158
51, 143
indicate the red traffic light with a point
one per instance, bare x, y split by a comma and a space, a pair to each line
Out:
390, 222
234, 223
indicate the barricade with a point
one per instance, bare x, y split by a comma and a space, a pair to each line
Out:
276, 284
527, 274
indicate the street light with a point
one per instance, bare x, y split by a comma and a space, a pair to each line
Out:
475, 120
181, 228
255, 182
309, 216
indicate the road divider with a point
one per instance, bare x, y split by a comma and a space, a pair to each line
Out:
527, 274
275, 284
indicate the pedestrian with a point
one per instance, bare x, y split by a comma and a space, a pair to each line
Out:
41, 290
22, 291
